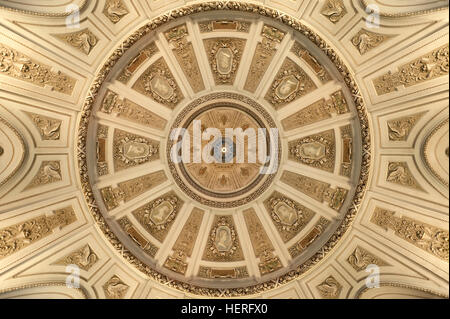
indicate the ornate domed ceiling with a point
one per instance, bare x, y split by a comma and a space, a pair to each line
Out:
116, 157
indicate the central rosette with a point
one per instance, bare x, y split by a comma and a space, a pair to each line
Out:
223, 153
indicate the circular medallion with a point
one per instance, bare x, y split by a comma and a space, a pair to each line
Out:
219, 214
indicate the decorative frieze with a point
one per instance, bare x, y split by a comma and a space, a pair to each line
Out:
315, 189
347, 150
185, 55
316, 112
126, 191
21, 67
306, 241
262, 245
131, 111
429, 238
223, 273
183, 247
264, 52
147, 246
102, 141
131, 68
16, 237
224, 26
430, 66
315, 65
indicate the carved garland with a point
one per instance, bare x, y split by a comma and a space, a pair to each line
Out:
188, 10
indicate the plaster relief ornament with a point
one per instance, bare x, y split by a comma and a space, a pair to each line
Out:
49, 172
400, 128
399, 173
84, 258
115, 10
49, 128
19, 66
115, 288
334, 10
361, 258
83, 40
365, 40
330, 288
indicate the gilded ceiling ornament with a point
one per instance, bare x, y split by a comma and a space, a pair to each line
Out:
318, 150
16, 237
361, 258
262, 245
316, 112
144, 54
265, 51
115, 10
290, 83
158, 216
347, 150
83, 40
289, 22
399, 173
19, 66
430, 66
130, 189
301, 245
49, 172
131, 111
159, 83
330, 288
115, 288
224, 55
300, 51
49, 128
365, 40
223, 273
147, 246
426, 237
84, 258
224, 25
131, 150
315, 189
289, 216
102, 137
184, 52
400, 128
183, 247
334, 10
223, 243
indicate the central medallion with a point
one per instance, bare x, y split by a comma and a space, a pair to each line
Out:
224, 150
